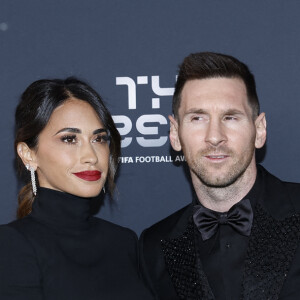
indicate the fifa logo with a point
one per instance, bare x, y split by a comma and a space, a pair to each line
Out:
125, 124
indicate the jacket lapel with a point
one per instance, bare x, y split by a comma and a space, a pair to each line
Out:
271, 248
187, 276
275, 236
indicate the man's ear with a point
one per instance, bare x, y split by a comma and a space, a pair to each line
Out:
174, 137
27, 155
261, 130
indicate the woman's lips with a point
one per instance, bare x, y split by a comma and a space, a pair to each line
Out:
89, 175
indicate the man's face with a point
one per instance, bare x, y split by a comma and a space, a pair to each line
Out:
216, 131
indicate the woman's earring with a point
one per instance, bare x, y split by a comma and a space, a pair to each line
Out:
103, 189
32, 175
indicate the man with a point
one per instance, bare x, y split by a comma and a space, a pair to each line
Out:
239, 238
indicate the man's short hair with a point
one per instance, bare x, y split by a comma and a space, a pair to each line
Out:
204, 65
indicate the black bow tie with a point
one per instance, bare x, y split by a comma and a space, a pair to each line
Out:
239, 217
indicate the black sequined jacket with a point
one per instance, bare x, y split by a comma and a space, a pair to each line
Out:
272, 265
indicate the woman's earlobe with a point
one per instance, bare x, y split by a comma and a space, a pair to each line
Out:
26, 154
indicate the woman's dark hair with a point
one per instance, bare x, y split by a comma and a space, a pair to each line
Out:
37, 104
203, 65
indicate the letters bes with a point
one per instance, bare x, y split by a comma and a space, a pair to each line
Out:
124, 123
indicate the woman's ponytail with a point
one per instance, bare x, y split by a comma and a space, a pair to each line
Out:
25, 201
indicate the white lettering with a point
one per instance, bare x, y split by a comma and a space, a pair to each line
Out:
150, 130
131, 90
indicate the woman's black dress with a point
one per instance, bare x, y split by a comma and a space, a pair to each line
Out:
61, 252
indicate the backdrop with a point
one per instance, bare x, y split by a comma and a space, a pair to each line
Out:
129, 51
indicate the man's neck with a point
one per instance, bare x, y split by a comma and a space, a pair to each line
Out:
222, 199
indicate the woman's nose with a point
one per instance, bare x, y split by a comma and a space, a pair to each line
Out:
88, 154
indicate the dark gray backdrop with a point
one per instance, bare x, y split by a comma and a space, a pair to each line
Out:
129, 50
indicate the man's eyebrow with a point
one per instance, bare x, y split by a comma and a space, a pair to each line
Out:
196, 111
68, 129
230, 111
233, 112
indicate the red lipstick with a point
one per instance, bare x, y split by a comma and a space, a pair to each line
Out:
89, 175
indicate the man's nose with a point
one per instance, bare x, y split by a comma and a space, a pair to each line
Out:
215, 133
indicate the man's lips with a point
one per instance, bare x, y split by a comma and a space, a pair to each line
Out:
89, 175
216, 157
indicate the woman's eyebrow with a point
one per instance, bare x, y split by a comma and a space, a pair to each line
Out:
68, 129
76, 130
100, 130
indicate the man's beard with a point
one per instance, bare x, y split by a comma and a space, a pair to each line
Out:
234, 170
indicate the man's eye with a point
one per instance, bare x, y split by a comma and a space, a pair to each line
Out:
197, 118
69, 139
230, 118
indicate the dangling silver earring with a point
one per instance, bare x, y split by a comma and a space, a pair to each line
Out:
103, 189
32, 175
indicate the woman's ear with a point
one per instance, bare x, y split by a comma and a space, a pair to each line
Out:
27, 155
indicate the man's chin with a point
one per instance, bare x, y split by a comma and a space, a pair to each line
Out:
218, 179
216, 183
214, 180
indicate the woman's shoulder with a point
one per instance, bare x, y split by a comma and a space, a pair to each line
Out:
18, 227
11, 233
14, 244
19, 265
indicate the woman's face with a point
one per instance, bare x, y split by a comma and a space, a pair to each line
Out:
73, 151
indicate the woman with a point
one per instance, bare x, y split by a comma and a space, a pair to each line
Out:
66, 139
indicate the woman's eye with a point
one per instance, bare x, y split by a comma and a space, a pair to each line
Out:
69, 139
101, 139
